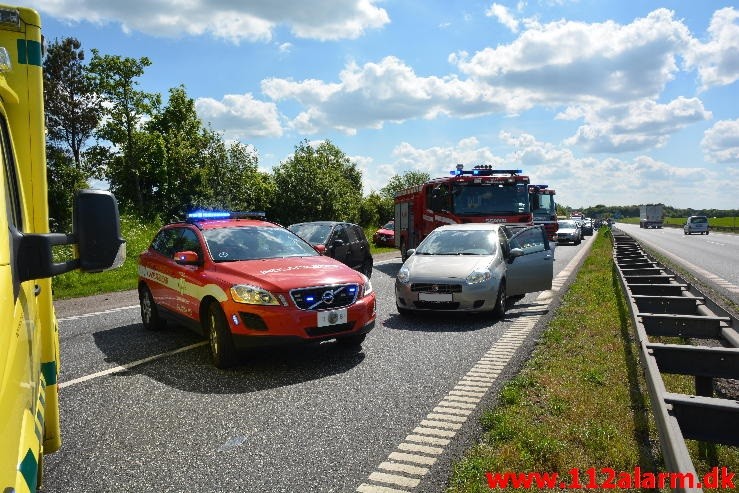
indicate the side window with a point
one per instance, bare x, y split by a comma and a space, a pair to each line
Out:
12, 189
189, 241
164, 242
351, 232
340, 233
530, 240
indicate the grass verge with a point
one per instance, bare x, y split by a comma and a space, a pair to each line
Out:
581, 400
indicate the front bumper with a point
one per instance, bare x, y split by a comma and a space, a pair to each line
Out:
464, 298
276, 325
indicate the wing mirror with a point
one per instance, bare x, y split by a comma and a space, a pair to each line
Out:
515, 253
188, 257
410, 252
321, 249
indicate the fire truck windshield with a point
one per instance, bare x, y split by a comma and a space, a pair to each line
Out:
545, 208
478, 199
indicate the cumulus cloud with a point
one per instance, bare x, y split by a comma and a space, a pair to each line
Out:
503, 15
721, 142
241, 116
233, 21
370, 95
636, 126
717, 60
567, 62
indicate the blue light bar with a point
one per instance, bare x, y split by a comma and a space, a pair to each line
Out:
208, 215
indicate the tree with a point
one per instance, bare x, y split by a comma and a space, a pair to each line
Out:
115, 80
64, 180
400, 182
72, 107
375, 210
317, 183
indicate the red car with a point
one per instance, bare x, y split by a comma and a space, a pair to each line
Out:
385, 236
245, 282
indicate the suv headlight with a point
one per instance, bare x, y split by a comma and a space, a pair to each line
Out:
478, 275
252, 295
404, 275
367, 286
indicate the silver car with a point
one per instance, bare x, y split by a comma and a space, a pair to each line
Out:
569, 231
474, 267
696, 224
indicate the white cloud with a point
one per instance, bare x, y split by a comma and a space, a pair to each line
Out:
721, 142
636, 126
717, 60
232, 21
503, 15
568, 62
240, 116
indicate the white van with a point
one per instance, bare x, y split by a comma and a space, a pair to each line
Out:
696, 224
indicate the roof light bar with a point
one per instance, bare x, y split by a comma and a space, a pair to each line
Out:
202, 215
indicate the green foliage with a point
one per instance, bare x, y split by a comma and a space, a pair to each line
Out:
317, 183
375, 209
400, 182
64, 180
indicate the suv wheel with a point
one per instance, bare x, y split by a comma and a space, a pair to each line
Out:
221, 345
149, 310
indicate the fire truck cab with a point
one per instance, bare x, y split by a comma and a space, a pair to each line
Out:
482, 194
544, 208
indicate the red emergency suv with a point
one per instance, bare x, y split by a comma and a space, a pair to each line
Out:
246, 282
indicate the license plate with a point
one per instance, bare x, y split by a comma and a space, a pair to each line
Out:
332, 317
435, 297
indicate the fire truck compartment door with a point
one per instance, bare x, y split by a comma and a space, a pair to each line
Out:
534, 270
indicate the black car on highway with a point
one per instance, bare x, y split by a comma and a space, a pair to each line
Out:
343, 241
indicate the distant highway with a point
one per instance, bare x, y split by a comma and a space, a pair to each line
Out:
712, 258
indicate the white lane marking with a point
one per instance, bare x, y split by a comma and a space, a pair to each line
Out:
406, 468
128, 366
439, 426
95, 314
384, 477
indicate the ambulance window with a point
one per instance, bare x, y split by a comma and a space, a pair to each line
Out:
12, 197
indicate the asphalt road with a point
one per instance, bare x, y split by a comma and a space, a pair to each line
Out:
712, 258
315, 418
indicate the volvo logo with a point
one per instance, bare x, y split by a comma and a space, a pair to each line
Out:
328, 297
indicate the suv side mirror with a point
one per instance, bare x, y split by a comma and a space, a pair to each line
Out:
188, 257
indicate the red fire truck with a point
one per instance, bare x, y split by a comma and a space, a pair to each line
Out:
544, 208
482, 194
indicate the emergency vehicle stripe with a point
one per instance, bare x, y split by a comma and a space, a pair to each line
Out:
48, 369
29, 52
179, 284
29, 470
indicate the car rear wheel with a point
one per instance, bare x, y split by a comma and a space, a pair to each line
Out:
149, 310
367, 268
221, 344
500, 302
403, 311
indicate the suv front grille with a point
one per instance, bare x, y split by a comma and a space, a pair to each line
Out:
325, 297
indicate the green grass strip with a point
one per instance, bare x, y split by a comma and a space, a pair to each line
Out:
581, 399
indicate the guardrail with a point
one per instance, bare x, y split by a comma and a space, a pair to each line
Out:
665, 305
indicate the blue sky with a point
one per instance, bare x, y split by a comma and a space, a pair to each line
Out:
608, 102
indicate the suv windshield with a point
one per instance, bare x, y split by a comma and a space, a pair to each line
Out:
254, 242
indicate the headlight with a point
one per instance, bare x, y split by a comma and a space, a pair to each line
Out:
478, 275
404, 275
252, 295
367, 286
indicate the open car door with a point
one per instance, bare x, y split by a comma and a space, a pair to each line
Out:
532, 271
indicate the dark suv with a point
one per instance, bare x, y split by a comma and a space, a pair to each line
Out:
343, 241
